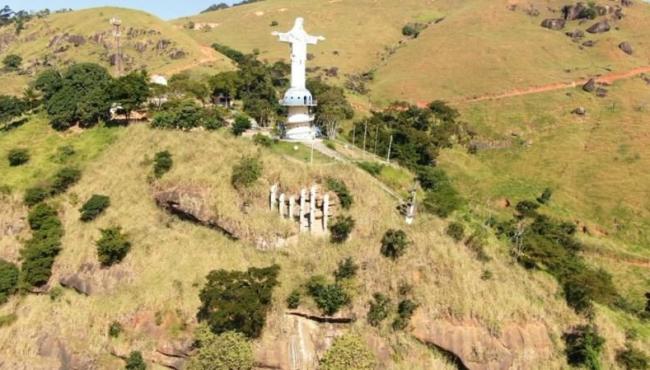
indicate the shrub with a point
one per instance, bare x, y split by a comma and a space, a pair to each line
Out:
394, 244
405, 310
162, 163
372, 168
328, 297
342, 192
39, 252
228, 351
274, 23
476, 243
262, 140
66, 177
347, 269
632, 359
135, 361
456, 231
35, 195
8, 280
114, 329
431, 178
16, 157
526, 208
583, 347
379, 309
348, 353
241, 124
246, 172
12, 62
293, 300
545, 196
486, 275
113, 246
413, 29
341, 228
443, 201
94, 207
238, 300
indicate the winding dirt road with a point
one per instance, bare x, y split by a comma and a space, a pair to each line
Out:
607, 79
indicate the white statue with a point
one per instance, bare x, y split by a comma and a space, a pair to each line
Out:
299, 39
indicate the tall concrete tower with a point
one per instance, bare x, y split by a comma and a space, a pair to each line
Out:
298, 99
117, 23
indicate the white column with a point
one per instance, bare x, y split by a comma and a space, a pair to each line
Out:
303, 200
410, 211
273, 196
283, 205
326, 206
312, 208
292, 205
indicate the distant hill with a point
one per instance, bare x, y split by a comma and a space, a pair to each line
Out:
86, 35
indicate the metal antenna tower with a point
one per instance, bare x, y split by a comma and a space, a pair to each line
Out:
117, 23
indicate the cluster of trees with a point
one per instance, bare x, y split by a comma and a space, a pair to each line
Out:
11, 108
85, 92
238, 300
19, 18
381, 308
62, 180
39, 252
441, 198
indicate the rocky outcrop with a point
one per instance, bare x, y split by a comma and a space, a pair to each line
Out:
573, 12
57, 353
472, 346
626, 48
553, 23
590, 86
599, 27
90, 278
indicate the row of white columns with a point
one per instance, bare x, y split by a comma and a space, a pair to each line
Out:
280, 202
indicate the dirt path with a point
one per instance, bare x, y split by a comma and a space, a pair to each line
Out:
208, 55
607, 79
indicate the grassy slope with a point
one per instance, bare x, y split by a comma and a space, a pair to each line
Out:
169, 259
32, 43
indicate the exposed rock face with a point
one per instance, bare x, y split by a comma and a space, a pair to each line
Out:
58, 354
626, 47
90, 278
573, 12
163, 44
177, 54
590, 86
76, 40
553, 23
589, 43
576, 34
599, 27
626, 2
519, 346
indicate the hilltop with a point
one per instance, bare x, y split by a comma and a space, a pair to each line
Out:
86, 35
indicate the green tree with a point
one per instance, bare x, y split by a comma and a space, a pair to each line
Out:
328, 297
293, 300
405, 310
63, 179
348, 352
8, 279
227, 351
39, 252
342, 192
456, 231
48, 83
347, 269
379, 309
246, 172
131, 91
12, 62
113, 246
135, 361
241, 124
238, 300
11, 108
394, 244
341, 228
225, 85
183, 84
333, 107
583, 347
443, 201
162, 163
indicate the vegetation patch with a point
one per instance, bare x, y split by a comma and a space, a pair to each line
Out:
342, 192
162, 163
330, 298
394, 244
112, 246
238, 300
583, 347
228, 350
39, 252
246, 172
348, 352
94, 207
341, 228
17, 157
8, 280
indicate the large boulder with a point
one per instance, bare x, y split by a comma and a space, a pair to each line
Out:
599, 27
553, 23
626, 47
590, 86
573, 12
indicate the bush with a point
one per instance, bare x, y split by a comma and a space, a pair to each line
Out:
94, 207
12, 62
238, 300
241, 124
341, 228
413, 29
342, 192
8, 279
227, 351
293, 300
162, 163
583, 347
35, 195
262, 140
431, 178
545, 197
113, 246
114, 329
348, 353
246, 172
443, 201
372, 168
456, 231
328, 297
66, 177
527, 208
347, 269
379, 309
39, 252
274, 23
632, 359
135, 361
405, 310
394, 244
17, 157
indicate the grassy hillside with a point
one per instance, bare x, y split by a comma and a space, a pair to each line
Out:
86, 36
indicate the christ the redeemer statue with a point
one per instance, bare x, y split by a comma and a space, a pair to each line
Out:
299, 125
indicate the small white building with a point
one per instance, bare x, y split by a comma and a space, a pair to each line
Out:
300, 122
